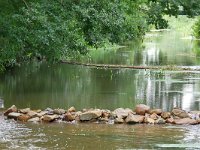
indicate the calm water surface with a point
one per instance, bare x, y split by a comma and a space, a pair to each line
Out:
62, 86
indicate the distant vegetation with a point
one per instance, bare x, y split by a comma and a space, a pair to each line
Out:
55, 30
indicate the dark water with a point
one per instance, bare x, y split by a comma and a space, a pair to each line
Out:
61, 86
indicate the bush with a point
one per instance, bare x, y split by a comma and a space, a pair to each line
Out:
196, 29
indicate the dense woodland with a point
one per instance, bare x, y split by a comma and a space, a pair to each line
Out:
55, 30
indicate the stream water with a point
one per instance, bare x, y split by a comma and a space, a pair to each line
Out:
61, 86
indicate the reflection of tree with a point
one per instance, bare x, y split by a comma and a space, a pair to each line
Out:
168, 89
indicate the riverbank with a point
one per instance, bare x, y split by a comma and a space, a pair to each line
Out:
140, 114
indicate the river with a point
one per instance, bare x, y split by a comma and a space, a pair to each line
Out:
40, 85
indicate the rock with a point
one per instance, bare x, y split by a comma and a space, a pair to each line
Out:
32, 114
13, 115
49, 118
23, 118
134, 118
49, 111
35, 119
25, 110
149, 120
170, 120
185, 121
180, 113
93, 114
155, 111
160, 121
106, 113
165, 115
118, 120
59, 111
13, 108
77, 115
122, 113
68, 117
141, 109
154, 116
71, 109
42, 113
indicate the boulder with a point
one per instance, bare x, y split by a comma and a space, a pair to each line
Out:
134, 118
35, 119
160, 121
49, 111
185, 121
170, 120
23, 118
155, 111
59, 111
49, 118
122, 113
154, 116
106, 113
149, 120
118, 120
13, 115
141, 109
71, 109
42, 113
165, 115
89, 115
25, 110
180, 113
68, 117
13, 108
32, 114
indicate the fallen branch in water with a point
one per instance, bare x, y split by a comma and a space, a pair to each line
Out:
112, 66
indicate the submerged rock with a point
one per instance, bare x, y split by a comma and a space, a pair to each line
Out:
141, 109
93, 114
13, 108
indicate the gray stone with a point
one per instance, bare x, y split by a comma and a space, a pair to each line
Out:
93, 114
134, 118
160, 121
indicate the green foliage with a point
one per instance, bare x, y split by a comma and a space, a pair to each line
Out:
56, 30
196, 29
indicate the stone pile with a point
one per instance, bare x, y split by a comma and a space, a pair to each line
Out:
141, 114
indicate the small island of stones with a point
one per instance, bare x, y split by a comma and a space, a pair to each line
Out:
140, 114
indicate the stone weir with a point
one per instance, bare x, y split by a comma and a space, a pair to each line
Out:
141, 114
